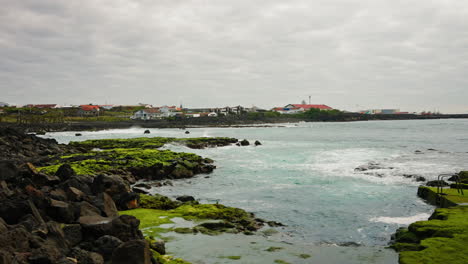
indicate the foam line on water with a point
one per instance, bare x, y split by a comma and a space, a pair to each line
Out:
400, 220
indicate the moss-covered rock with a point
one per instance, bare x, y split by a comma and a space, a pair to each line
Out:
157, 201
142, 163
443, 238
154, 142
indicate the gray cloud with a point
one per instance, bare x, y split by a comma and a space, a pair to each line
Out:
349, 54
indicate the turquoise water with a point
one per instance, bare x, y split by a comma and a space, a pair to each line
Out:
304, 176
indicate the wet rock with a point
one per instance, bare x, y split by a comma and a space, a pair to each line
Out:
257, 143
78, 134
143, 185
187, 132
111, 184
185, 198
244, 142
139, 190
418, 152
158, 246
436, 183
105, 245
419, 178
124, 227
147, 132
65, 172
135, 252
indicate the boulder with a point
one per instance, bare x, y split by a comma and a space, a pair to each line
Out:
61, 211
147, 132
87, 209
244, 142
11, 210
111, 184
257, 143
187, 132
127, 201
139, 190
41, 179
74, 194
78, 134
106, 204
105, 245
65, 172
135, 252
124, 227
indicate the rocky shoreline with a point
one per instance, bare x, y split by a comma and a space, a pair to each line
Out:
81, 203
443, 238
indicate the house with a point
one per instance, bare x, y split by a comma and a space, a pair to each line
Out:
88, 110
300, 108
2, 104
147, 114
170, 111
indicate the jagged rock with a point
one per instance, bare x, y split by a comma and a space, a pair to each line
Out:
11, 210
8, 171
65, 172
41, 179
244, 142
74, 194
87, 209
135, 252
124, 227
185, 198
105, 245
58, 194
4, 190
257, 143
107, 205
61, 211
73, 234
111, 184
86, 257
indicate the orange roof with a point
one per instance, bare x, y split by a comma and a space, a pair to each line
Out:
89, 107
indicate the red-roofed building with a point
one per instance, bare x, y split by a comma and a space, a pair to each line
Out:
89, 110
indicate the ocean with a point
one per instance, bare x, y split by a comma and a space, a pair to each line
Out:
340, 188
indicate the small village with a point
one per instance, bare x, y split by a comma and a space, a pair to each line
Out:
149, 112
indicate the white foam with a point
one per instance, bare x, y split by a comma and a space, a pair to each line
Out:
400, 220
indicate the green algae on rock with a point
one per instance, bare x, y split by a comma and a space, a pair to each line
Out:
154, 142
441, 239
142, 163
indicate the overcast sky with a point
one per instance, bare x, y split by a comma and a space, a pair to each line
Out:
349, 54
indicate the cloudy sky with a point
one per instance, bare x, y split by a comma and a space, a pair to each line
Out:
349, 54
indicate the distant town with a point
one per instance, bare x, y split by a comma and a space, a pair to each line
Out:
149, 112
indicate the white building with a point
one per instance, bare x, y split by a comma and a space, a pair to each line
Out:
147, 114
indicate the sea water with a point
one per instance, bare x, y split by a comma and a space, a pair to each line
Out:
304, 176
